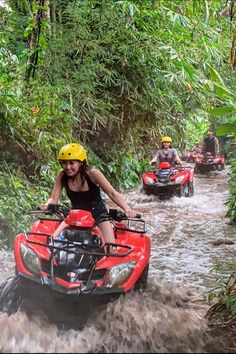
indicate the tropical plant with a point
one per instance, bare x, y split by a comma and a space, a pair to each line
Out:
114, 75
227, 114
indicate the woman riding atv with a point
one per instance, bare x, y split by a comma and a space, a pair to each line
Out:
166, 153
82, 184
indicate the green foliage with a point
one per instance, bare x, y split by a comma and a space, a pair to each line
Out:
127, 62
36, 122
17, 198
231, 200
227, 127
224, 291
195, 130
129, 167
114, 75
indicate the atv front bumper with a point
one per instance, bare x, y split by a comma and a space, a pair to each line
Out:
206, 167
160, 189
84, 288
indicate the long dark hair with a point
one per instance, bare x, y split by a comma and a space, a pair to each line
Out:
83, 171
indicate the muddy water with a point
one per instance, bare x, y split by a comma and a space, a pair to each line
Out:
169, 316
184, 231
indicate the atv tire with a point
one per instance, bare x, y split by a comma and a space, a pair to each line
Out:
191, 189
10, 295
221, 167
185, 190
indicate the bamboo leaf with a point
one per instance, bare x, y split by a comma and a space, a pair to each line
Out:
222, 111
215, 76
226, 129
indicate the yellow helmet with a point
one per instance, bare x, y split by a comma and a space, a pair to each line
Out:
166, 139
72, 152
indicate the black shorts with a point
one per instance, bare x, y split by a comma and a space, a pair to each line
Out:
100, 213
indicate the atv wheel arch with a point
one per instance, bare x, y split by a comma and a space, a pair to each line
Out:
142, 281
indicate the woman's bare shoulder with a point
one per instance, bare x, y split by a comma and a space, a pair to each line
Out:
93, 172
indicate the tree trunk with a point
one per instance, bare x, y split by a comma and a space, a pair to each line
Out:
34, 41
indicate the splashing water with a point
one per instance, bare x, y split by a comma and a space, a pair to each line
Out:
161, 320
169, 316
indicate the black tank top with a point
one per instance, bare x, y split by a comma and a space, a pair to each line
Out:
210, 145
85, 200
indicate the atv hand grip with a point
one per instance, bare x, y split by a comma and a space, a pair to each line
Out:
119, 215
152, 163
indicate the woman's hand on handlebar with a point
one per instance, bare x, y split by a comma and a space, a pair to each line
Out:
151, 163
43, 207
131, 213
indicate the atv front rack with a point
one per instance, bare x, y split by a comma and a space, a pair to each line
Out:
181, 168
132, 225
82, 248
86, 274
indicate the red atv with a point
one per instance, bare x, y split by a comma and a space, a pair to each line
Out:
169, 181
189, 156
192, 156
207, 162
185, 155
78, 266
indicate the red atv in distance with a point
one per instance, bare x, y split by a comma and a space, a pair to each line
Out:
169, 181
189, 156
207, 162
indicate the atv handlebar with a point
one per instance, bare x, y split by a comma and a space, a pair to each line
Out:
118, 215
59, 210
52, 209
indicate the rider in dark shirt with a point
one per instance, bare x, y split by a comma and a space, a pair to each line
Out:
211, 144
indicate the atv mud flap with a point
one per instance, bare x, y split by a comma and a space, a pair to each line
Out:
163, 190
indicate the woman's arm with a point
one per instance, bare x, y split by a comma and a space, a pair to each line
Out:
155, 159
63, 225
217, 147
176, 157
56, 192
99, 179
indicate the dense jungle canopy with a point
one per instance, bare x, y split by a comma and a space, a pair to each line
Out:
114, 76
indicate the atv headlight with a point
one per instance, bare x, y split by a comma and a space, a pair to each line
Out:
179, 179
30, 259
119, 274
148, 180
